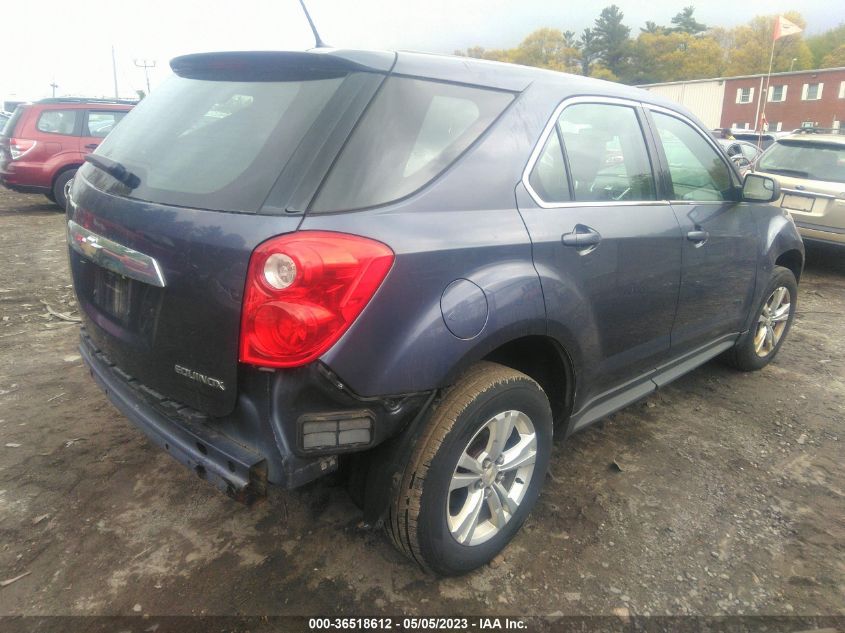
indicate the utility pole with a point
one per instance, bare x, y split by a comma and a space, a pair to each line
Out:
114, 73
54, 85
146, 66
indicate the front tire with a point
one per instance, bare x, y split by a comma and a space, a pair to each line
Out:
475, 473
771, 324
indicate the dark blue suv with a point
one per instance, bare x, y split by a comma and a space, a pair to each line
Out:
416, 269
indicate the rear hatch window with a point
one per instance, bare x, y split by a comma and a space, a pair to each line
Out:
413, 131
217, 145
11, 124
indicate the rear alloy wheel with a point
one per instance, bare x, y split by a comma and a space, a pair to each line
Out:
61, 186
475, 473
773, 319
492, 478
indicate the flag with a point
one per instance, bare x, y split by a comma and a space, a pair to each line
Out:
784, 27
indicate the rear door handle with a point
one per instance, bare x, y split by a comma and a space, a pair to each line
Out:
698, 236
581, 237
92, 146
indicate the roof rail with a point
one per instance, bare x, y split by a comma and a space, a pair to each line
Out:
87, 100
819, 130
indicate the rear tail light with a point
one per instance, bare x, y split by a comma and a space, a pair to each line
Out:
20, 146
303, 291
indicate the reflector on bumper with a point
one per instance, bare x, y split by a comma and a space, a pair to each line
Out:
326, 431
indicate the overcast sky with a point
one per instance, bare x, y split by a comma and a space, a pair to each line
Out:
70, 42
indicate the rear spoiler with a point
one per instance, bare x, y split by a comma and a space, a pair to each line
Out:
280, 65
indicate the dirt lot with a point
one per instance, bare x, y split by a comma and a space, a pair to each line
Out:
726, 496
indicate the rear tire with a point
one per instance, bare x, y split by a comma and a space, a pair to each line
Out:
772, 322
475, 472
59, 196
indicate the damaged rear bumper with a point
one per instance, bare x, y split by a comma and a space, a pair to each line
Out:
238, 471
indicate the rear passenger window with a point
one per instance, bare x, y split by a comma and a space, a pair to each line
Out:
548, 177
697, 171
101, 123
607, 154
58, 121
412, 131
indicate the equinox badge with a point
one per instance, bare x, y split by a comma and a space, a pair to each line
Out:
198, 377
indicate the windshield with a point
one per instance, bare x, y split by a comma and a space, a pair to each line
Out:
814, 161
216, 145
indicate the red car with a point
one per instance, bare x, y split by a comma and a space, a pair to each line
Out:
44, 143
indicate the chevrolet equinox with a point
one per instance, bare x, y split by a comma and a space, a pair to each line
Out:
413, 268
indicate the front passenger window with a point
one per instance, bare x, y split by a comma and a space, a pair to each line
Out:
696, 169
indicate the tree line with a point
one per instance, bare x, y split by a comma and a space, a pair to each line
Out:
684, 49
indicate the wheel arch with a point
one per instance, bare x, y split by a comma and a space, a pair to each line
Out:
544, 360
793, 259
62, 170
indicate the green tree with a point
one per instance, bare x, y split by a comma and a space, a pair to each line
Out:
479, 52
834, 58
674, 56
612, 40
546, 48
825, 43
587, 46
685, 22
750, 46
652, 27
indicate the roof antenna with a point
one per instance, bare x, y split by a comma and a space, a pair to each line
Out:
318, 43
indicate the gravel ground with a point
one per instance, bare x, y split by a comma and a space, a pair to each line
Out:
721, 494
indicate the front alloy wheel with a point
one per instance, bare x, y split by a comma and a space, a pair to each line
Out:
771, 324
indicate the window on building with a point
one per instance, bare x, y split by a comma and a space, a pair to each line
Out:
777, 93
744, 95
812, 92
807, 124
778, 126
842, 89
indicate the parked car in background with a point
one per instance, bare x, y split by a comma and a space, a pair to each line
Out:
4, 117
419, 267
760, 139
810, 166
742, 153
44, 143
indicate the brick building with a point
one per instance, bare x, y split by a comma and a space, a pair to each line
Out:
794, 99
798, 99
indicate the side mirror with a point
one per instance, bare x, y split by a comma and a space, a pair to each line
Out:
757, 188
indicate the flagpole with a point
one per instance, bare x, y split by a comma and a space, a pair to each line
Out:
765, 95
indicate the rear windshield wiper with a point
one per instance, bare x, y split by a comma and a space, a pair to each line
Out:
114, 169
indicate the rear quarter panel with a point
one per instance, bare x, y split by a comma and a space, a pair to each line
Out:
464, 225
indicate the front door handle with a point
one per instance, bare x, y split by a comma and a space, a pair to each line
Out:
92, 146
698, 236
581, 237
